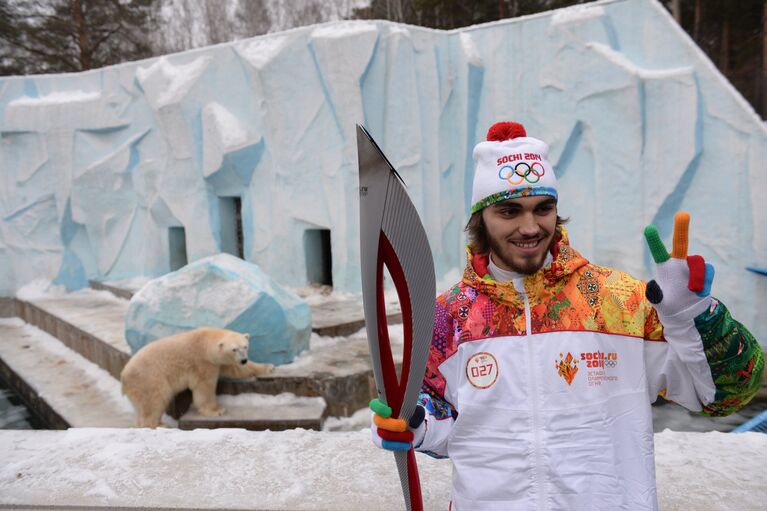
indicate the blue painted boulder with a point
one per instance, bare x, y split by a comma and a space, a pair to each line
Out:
226, 292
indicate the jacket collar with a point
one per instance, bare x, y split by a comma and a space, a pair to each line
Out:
565, 261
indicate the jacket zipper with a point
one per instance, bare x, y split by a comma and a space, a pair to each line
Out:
519, 284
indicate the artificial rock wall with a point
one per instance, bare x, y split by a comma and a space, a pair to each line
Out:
101, 170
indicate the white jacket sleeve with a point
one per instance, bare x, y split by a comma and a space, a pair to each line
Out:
432, 436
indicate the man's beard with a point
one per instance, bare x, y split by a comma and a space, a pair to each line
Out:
529, 268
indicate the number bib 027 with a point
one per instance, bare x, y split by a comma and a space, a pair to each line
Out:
482, 370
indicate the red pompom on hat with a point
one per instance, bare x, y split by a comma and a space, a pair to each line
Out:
501, 131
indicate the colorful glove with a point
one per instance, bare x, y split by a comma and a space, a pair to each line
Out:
683, 284
396, 434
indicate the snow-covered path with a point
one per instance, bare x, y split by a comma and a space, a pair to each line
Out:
310, 470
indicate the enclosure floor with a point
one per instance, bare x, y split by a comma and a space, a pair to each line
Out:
310, 470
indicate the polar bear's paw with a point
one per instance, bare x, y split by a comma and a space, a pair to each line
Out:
256, 369
213, 412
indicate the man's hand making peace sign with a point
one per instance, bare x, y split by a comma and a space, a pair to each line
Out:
682, 287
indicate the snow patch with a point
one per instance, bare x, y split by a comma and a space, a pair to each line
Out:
359, 420
341, 30
254, 400
622, 61
260, 52
231, 133
56, 98
133, 284
165, 83
576, 13
39, 288
470, 50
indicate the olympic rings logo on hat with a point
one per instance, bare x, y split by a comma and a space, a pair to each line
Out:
522, 171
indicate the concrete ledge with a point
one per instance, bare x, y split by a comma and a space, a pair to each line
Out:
339, 319
344, 395
9, 307
58, 383
259, 413
126, 294
89, 346
31, 398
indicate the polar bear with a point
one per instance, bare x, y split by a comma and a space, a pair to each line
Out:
193, 360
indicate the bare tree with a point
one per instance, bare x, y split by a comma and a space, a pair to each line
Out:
217, 21
724, 48
254, 18
697, 21
676, 10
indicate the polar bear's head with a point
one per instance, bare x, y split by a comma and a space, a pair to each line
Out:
233, 349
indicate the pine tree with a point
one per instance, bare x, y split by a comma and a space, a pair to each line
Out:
49, 36
733, 36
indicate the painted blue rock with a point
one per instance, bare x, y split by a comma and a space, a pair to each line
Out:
226, 292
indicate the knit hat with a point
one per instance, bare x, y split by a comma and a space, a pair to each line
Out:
510, 165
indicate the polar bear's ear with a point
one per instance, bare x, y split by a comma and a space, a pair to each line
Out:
247, 336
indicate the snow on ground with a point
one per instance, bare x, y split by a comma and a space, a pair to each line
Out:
711, 471
133, 284
322, 342
267, 400
77, 389
318, 294
307, 470
358, 420
42, 289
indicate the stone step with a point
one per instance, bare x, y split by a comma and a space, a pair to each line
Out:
61, 386
124, 291
90, 323
342, 318
8, 307
258, 412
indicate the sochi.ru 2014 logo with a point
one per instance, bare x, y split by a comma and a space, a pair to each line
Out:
567, 367
598, 359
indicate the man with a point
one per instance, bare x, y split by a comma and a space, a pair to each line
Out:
543, 366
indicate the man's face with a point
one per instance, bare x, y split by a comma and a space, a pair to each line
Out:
521, 232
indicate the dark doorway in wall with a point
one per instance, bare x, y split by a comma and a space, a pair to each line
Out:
177, 243
319, 259
230, 211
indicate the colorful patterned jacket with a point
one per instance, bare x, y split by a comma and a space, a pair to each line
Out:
540, 390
